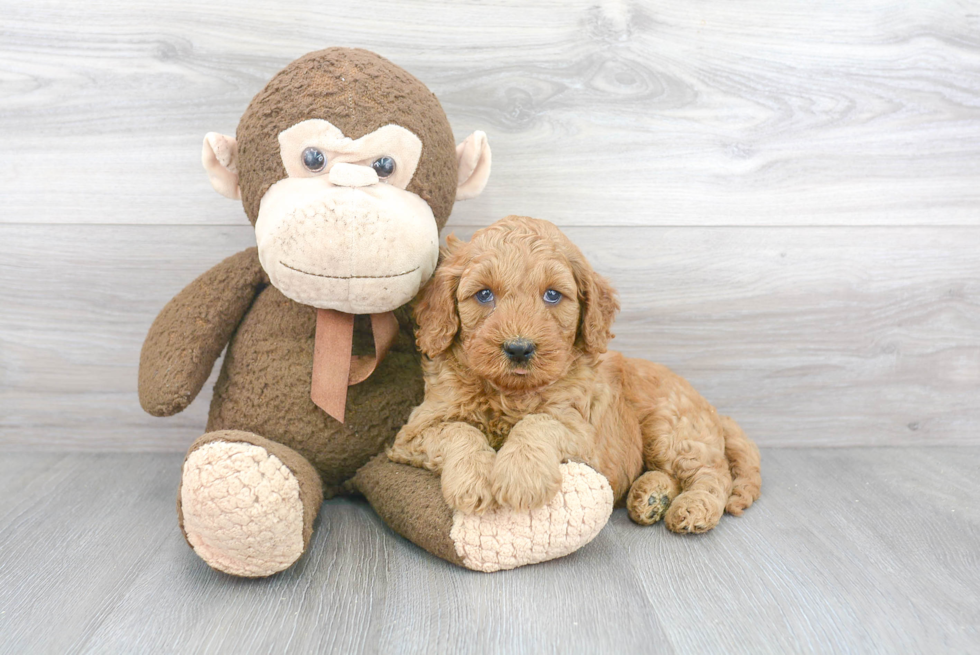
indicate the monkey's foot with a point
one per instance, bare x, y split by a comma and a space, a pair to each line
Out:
242, 509
505, 539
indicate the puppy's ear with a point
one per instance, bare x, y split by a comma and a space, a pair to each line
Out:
599, 307
438, 321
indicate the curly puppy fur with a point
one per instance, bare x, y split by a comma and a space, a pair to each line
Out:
497, 426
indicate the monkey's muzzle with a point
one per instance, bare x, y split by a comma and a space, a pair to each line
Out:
360, 250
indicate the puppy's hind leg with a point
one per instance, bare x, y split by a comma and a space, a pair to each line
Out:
650, 496
706, 482
682, 435
745, 463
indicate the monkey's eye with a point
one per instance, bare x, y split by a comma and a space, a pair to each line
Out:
384, 166
552, 297
314, 160
484, 296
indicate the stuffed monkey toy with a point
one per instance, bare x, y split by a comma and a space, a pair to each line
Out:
347, 169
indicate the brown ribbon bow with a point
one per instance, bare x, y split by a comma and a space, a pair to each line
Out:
334, 368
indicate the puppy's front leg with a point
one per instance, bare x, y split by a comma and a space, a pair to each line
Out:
456, 450
525, 473
466, 468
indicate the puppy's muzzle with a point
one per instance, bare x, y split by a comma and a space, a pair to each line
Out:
519, 350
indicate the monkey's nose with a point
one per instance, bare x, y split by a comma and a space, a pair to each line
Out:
352, 175
518, 350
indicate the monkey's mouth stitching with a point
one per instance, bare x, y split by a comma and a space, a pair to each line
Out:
348, 277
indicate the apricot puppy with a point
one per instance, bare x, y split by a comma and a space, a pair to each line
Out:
514, 325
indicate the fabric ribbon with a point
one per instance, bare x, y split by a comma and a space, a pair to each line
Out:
334, 367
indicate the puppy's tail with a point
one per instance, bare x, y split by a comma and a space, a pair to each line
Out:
744, 462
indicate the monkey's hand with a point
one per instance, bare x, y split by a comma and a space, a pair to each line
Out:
191, 331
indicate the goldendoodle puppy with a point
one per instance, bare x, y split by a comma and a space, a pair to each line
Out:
514, 326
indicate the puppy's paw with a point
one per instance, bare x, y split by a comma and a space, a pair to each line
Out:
522, 481
466, 483
469, 500
693, 511
740, 500
650, 496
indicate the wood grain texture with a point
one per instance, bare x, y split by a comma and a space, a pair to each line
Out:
697, 151
849, 550
715, 161
600, 113
805, 336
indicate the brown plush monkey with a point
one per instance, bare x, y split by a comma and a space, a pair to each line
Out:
347, 168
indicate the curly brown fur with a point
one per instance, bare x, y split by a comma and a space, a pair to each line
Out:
497, 429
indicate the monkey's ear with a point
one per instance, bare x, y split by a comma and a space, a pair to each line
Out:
220, 158
473, 157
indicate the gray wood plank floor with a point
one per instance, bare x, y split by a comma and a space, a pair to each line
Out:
849, 550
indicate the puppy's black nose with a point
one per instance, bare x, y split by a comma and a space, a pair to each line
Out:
519, 350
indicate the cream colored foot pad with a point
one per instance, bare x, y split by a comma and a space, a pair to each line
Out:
242, 510
504, 539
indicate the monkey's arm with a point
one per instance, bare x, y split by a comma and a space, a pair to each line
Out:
191, 331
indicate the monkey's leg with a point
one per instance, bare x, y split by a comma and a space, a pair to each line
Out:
247, 504
410, 500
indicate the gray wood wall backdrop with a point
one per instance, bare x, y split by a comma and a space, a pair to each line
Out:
787, 194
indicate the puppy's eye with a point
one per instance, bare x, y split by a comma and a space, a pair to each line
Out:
552, 297
314, 160
484, 296
384, 166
